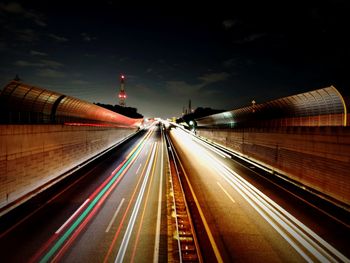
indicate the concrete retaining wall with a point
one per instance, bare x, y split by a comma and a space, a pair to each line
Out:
32, 155
318, 157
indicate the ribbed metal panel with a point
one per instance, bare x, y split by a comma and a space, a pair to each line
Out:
22, 103
322, 107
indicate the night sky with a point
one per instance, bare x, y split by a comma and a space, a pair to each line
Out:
218, 54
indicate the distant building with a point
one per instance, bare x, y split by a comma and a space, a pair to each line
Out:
16, 78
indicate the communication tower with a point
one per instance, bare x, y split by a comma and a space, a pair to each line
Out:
122, 93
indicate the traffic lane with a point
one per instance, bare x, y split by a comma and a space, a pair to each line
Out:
80, 250
240, 232
150, 235
54, 207
307, 211
94, 242
125, 247
97, 239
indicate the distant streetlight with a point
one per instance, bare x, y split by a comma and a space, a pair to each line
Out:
253, 105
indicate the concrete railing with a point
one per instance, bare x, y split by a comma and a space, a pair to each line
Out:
33, 155
317, 157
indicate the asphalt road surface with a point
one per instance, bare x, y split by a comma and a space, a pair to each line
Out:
252, 219
114, 210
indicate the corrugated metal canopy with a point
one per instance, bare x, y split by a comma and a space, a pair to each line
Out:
322, 107
22, 103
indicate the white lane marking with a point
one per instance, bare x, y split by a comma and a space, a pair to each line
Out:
224, 190
156, 242
72, 216
127, 235
284, 221
275, 226
115, 215
303, 239
137, 171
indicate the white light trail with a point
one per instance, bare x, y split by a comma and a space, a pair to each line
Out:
157, 239
306, 242
72, 216
206, 145
317, 246
127, 235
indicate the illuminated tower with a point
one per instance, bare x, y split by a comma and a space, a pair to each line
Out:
122, 93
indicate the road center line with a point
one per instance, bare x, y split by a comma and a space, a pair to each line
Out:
115, 215
137, 171
224, 190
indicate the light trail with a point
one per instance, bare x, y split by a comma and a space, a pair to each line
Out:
306, 242
125, 213
271, 170
72, 217
200, 211
286, 224
124, 244
97, 199
157, 238
144, 209
208, 146
42, 206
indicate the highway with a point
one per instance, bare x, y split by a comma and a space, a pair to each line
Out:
117, 209
113, 210
247, 218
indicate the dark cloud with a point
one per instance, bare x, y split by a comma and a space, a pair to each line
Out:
50, 73
213, 77
51, 63
58, 38
229, 23
23, 63
12, 7
37, 53
26, 35
249, 38
88, 38
16, 8
42, 63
